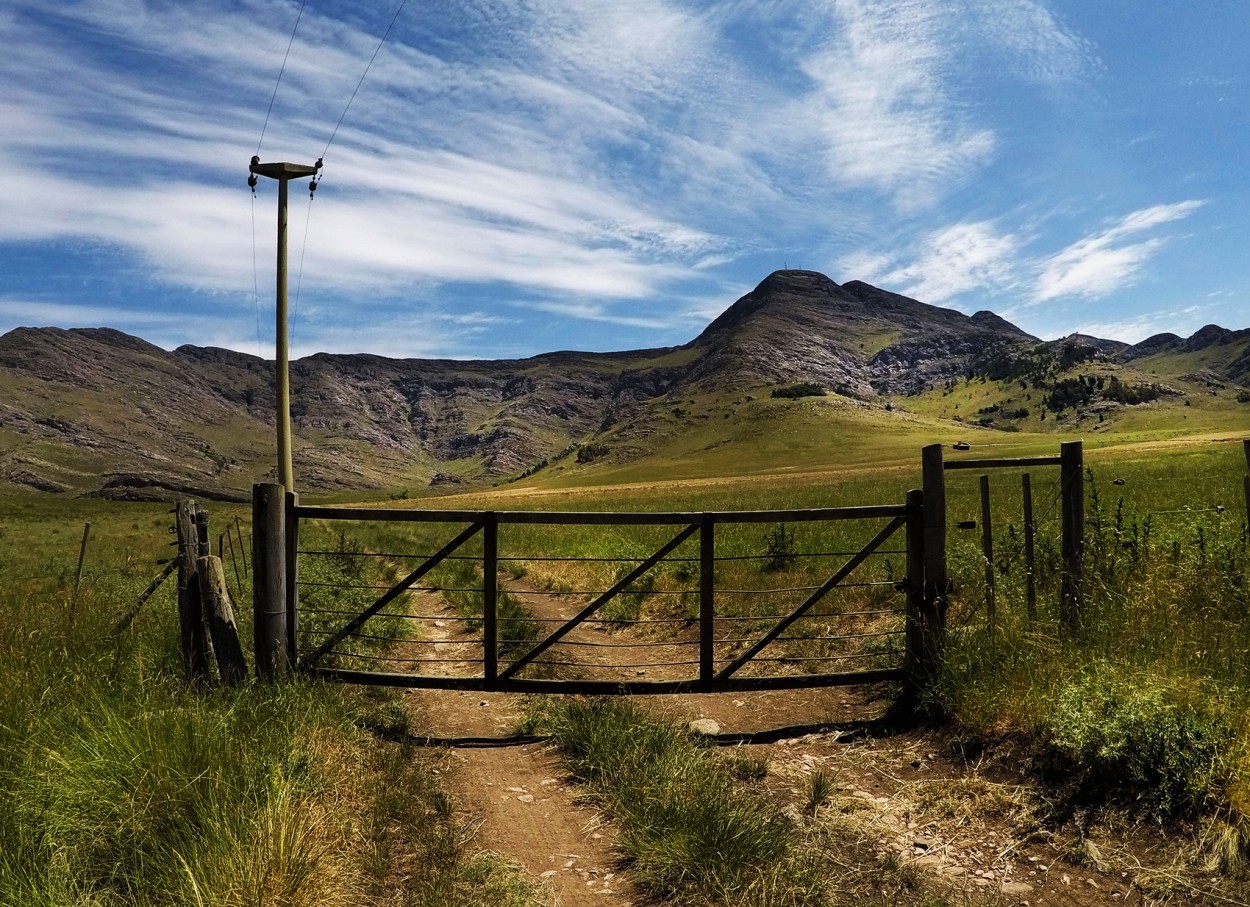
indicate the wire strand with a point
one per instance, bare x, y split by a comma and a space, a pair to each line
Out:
285, 57
394, 19
299, 277
256, 280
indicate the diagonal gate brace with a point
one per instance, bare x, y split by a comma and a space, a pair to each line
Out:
397, 590
843, 572
599, 602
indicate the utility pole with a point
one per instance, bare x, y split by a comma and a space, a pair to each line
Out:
283, 173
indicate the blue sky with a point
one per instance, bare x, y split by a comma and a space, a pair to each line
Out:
520, 176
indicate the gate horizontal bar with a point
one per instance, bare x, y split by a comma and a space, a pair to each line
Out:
1010, 462
607, 687
598, 518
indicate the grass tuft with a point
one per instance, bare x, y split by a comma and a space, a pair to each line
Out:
688, 830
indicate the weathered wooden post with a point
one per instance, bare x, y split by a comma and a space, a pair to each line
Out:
1246, 481
1030, 564
935, 580
987, 552
923, 642
194, 641
221, 627
269, 596
291, 549
1072, 497
82, 557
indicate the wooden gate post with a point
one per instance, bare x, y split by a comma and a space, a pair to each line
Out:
924, 641
1245, 481
1072, 496
290, 539
936, 585
269, 580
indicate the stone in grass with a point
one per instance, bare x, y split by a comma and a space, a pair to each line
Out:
707, 727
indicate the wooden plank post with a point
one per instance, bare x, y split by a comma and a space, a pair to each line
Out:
936, 584
1072, 497
192, 636
987, 552
82, 556
1030, 559
290, 539
923, 644
231, 666
269, 580
203, 548
1245, 481
707, 599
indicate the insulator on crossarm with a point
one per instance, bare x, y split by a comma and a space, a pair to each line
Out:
312, 188
251, 181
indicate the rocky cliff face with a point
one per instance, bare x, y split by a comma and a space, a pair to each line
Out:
854, 338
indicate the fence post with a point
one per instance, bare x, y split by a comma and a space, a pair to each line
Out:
291, 553
82, 557
191, 633
936, 586
924, 641
1030, 577
1245, 481
707, 599
216, 598
987, 551
269, 580
1072, 496
490, 596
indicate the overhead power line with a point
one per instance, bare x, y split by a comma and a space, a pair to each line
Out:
285, 57
376, 51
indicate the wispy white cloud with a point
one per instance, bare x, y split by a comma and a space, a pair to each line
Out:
1111, 259
957, 259
945, 263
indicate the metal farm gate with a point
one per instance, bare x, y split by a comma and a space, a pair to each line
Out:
445, 599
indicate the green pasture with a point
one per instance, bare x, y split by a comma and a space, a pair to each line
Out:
127, 787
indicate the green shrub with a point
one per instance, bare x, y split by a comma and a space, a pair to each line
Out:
795, 391
1136, 739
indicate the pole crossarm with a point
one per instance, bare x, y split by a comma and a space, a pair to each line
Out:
282, 170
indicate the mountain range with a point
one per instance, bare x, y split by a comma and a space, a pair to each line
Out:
95, 411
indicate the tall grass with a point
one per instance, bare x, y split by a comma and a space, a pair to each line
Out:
1144, 704
120, 785
689, 831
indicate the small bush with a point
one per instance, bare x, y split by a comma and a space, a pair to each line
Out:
779, 549
795, 391
591, 451
1136, 740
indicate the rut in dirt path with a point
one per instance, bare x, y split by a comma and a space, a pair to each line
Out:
517, 790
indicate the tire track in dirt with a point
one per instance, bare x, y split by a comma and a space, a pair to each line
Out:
517, 790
